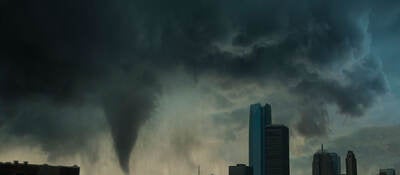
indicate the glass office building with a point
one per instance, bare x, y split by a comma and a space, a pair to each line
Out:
260, 117
326, 163
277, 150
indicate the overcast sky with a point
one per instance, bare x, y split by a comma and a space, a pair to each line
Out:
159, 87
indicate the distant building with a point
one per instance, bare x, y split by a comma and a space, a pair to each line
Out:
17, 168
389, 171
336, 163
240, 169
351, 164
325, 163
277, 150
260, 117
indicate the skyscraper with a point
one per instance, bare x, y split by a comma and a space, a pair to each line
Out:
351, 164
277, 150
336, 163
325, 163
260, 117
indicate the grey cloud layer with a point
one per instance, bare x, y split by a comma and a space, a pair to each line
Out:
110, 54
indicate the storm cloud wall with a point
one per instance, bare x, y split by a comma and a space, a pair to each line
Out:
109, 56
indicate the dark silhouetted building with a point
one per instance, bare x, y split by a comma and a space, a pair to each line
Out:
336, 163
276, 150
17, 168
351, 163
240, 169
389, 171
260, 117
325, 163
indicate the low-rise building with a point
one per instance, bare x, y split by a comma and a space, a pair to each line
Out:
25, 168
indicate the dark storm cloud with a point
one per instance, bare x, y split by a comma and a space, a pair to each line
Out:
109, 54
68, 55
183, 143
232, 122
56, 127
352, 95
319, 50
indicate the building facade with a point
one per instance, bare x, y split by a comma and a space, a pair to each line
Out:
336, 163
17, 168
240, 169
388, 171
276, 150
351, 163
325, 163
260, 117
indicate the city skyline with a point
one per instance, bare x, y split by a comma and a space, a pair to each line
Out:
268, 143
148, 87
269, 150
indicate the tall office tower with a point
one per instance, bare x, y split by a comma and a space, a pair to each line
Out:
260, 117
240, 169
351, 163
336, 163
277, 150
325, 163
389, 171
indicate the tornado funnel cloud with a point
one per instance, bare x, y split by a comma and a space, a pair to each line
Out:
126, 108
